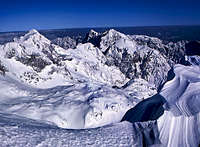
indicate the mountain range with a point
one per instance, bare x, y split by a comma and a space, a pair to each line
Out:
100, 80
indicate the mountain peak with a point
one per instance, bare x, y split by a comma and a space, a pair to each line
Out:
32, 31
113, 33
92, 37
33, 35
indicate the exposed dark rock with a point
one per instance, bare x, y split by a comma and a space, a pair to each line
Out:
35, 61
146, 134
65, 42
146, 110
192, 48
3, 69
93, 37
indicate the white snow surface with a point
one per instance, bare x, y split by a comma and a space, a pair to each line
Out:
119, 40
77, 106
22, 132
180, 124
74, 93
88, 61
77, 93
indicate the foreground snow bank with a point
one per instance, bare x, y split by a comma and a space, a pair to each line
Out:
179, 102
18, 131
180, 124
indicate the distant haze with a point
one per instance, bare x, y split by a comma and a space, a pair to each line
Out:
166, 33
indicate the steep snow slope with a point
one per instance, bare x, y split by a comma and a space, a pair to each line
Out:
173, 52
133, 59
89, 61
139, 55
180, 124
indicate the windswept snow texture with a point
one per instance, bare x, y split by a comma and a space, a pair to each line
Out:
77, 106
180, 124
179, 100
46, 89
22, 132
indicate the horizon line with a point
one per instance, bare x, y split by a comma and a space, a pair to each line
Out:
101, 27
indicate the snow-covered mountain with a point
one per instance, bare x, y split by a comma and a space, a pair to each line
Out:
134, 59
107, 78
33, 59
36, 61
70, 88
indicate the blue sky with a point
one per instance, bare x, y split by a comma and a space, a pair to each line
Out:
18, 15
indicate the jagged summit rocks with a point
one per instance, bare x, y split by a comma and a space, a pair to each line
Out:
93, 37
65, 42
133, 59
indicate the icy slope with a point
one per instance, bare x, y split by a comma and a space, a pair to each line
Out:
78, 105
180, 124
